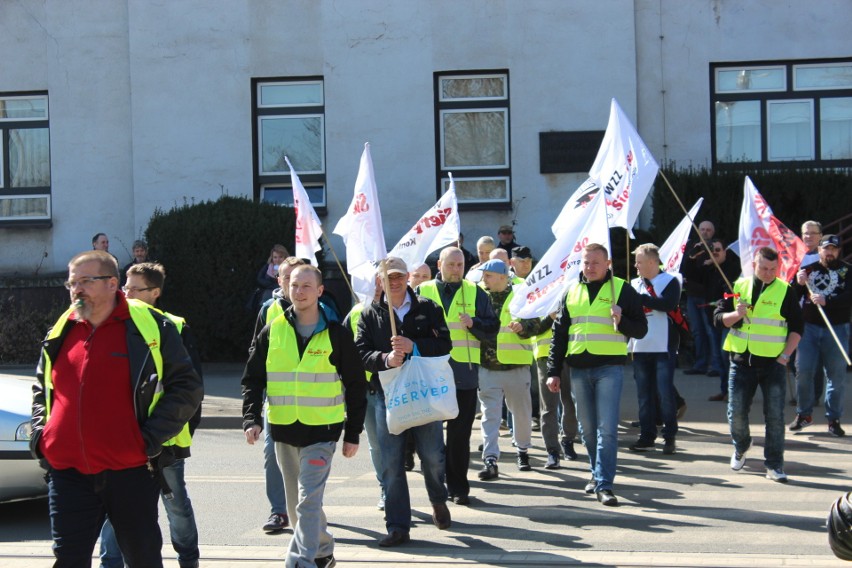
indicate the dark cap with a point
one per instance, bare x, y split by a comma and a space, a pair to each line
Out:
830, 241
521, 252
506, 229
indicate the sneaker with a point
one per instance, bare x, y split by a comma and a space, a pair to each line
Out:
776, 475
835, 429
642, 445
606, 497
669, 447
552, 460
568, 449
381, 504
737, 460
325, 561
489, 470
801, 422
524, 461
590, 486
277, 522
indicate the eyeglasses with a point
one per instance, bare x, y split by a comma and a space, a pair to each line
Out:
128, 289
84, 281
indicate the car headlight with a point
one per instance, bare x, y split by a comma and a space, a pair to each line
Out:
24, 431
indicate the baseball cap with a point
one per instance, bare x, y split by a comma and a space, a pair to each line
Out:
830, 241
506, 229
521, 252
494, 265
395, 265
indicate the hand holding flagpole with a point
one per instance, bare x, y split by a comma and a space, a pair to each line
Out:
830, 328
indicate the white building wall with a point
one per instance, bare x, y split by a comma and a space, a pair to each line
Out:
150, 100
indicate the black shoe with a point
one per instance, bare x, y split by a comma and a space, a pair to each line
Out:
325, 561
669, 447
835, 429
607, 498
489, 470
712, 373
634, 424
552, 460
461, 500
277, 522
441, 516
800, 422
480, 447
568, 449
409, 462
395, 538
524, 461
642, 445
694, 372
590, 486
536, 425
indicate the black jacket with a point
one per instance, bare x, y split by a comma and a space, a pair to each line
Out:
345, 359
182, 387
424, 324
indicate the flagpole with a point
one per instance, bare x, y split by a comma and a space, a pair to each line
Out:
627, 254
386, 284
694, 226
466, 332
831, 329
340, 266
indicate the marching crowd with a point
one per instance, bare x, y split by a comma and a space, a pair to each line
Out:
119, 385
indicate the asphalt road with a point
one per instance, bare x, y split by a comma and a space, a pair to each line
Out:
689, 509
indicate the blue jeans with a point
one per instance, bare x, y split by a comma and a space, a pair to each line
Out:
719, 336
742, 385
817, 341
597, 397
274, 480
182, 527
79, 504
698, 327
654, 377
306, 472
429, 439
372, 441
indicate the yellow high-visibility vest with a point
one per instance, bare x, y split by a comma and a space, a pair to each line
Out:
465, 344
591, 323
764, 331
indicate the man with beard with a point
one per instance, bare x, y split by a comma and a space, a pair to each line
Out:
826, 284
114, 384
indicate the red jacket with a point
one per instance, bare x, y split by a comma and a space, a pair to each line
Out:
92, 425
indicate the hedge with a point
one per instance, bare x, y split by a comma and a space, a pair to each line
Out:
212, 252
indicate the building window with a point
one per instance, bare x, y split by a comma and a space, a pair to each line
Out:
472, 126
24, 158
770, 113
289, 120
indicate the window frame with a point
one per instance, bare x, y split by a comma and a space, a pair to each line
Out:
765, 98
444, 106
280, 180
7, 191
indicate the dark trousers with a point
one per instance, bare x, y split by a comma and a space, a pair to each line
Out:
80, 502
458, 443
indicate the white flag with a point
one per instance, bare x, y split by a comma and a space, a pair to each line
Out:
308, 226
437, 228
759, 227
671, 253
576, 204
542, 290
361, 229
624, 168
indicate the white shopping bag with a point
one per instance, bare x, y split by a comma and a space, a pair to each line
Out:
421, 391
